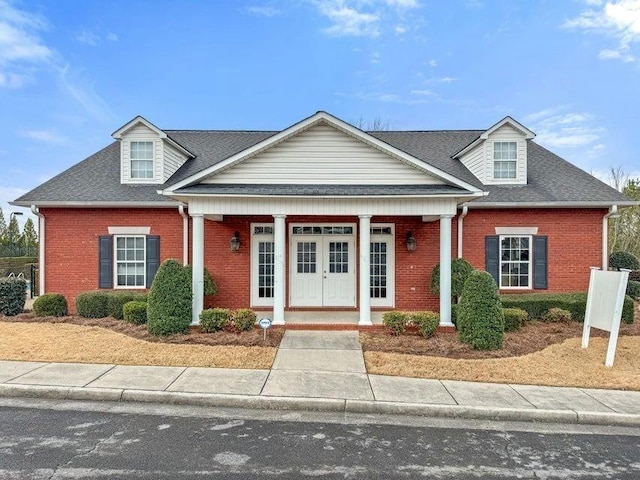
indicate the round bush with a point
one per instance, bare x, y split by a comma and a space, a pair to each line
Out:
514, 318
50, 305
460, 271
480, 319
244, 319
214, 319
92, 304
135, 312
557, 315
117, 299
169, 300
427, 322
618, 260
396, 322
633, 289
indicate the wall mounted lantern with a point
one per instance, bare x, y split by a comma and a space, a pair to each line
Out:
235, 241
412, 243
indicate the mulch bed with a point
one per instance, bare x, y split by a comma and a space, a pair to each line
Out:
532, 337
252, 338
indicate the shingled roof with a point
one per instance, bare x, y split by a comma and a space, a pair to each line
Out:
96, 179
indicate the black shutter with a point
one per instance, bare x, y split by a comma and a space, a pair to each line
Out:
153, 257
105, 268
540, 262
492, 256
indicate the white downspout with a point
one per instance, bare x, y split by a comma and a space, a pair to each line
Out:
41, 263
463, 214
613, 212
185, 234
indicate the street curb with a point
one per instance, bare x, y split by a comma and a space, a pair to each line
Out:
320, 405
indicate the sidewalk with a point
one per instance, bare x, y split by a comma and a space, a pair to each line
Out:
318, 371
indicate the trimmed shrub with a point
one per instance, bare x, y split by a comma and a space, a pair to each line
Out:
427, 322
210, 287
460, 271
213, 319
557, 315
618, 260
395, 321
514, 318
92, 304
50, 305
135, 312
537, 304
244, 319
169, 300
116, 301
633, 289
13, 295
480, 317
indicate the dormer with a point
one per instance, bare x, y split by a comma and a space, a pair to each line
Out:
147, 154
499, 155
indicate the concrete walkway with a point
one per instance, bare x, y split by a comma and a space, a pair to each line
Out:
321, 371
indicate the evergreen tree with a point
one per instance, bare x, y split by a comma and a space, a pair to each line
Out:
3, 227
29, 239
12, 235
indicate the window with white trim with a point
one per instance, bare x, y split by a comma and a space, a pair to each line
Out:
381, 265
505, 158
141, 157
262, 264
515, 261
130, 264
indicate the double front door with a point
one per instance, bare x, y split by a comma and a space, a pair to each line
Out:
322, 269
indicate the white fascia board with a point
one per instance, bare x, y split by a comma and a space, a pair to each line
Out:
528, 134
178, 147
243, 195
594, 204
98, 204
336, 123
139, 119
469, 147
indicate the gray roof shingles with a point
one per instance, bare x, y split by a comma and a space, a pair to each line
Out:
97, 179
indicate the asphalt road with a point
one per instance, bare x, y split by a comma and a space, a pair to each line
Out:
71, 440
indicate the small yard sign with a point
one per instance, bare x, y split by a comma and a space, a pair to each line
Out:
264, 324
604, 307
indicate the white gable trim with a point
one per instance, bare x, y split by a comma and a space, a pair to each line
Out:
528, 134
118, 134
318, 118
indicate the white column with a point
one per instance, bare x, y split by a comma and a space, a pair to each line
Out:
445, 270
278, 269
365, 269
197, 280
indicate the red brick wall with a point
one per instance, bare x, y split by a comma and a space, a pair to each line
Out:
71, 242
574, 240
72, 248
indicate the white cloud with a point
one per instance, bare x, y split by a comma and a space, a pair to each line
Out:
363, 18
21, 47
620, 54
565, 130
45, 136
263, 11
88, 38
447, 79
618, 19
422, 92
81, 89
112, 37
433, 63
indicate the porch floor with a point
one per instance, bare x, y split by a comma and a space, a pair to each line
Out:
322, 318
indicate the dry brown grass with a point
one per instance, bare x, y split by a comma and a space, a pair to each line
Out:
564, 364
63, 342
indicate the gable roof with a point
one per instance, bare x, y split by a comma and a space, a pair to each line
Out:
551, 180
528, 134
323, 118
140, 120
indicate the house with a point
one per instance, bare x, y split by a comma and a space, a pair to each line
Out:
322, 220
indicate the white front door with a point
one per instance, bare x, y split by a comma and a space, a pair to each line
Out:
322, 270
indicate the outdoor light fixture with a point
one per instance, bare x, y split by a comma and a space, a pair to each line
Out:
235, 241
412, 243
14, 213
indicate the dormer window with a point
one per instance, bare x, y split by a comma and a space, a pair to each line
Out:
505, 156
141, 156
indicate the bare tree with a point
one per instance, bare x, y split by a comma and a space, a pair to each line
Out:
618, 177
375, 125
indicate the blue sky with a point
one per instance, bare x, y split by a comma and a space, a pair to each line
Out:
72, 72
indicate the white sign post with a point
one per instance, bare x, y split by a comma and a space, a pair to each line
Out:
264, 324
605, 301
